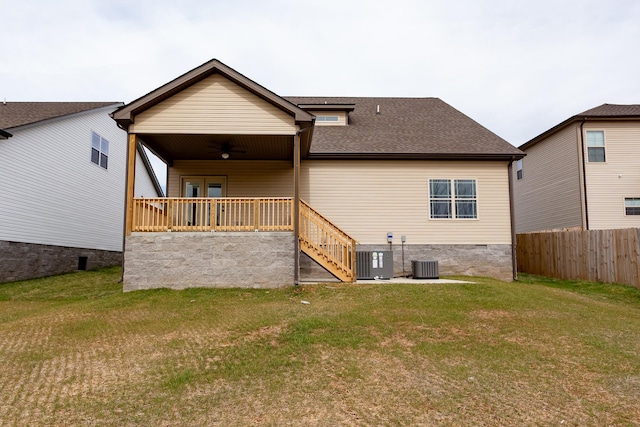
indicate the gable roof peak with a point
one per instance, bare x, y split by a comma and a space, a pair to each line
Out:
126, 114
601, 112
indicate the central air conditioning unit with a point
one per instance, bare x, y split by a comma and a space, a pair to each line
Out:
425, 269
374, 265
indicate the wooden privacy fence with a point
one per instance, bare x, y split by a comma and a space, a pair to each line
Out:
596, 255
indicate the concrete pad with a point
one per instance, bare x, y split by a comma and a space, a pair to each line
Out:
405, 280
411, 281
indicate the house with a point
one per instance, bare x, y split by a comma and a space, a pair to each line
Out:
62, 187
267, 191
582, 173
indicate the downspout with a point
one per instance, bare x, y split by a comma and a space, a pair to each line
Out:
584, 176
514, 264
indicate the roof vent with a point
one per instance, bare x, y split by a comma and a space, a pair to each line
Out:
378, 109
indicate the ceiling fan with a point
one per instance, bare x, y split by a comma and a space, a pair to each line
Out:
225, 149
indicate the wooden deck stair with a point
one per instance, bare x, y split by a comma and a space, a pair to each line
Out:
326, 244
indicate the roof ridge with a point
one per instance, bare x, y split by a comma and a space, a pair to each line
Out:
361, 97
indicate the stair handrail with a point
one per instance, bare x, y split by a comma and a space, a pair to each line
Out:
328, 240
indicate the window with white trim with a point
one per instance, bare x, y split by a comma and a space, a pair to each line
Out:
632, 205
455, 198
519, 174
595, 146
99, 150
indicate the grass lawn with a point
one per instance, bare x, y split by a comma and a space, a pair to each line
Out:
75, 350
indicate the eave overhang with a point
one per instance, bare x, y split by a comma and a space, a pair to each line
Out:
150, 171
4, 134
328, 107
416, 156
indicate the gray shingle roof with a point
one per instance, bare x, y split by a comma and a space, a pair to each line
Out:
405, 127
14, 114
608, 110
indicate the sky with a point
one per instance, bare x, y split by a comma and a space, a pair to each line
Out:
517, 67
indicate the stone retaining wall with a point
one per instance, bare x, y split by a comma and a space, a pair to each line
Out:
208, 260
22, 261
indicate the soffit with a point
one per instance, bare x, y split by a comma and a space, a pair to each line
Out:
171, 147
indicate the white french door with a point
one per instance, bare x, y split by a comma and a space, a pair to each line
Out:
203, 186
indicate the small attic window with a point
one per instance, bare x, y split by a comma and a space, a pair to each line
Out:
330, 118
327, 119
329, 114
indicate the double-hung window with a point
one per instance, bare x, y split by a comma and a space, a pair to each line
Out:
99, 150
595, 146
455, 198
519, 169
632, 206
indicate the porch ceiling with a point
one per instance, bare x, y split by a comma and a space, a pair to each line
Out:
171, 147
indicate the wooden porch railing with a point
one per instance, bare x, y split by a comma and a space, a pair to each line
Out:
319, 238
327, 244
205, 214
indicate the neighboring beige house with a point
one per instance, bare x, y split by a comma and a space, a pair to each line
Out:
582, 173
262, 190
62, 187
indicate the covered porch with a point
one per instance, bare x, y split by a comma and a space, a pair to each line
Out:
233, 151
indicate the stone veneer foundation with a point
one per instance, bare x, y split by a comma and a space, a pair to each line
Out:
468, 260
208, 260
22, 261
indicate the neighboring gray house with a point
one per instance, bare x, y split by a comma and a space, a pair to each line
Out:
62, 187
582, 173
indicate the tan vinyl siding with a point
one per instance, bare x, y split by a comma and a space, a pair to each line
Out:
619, 177
548, 195
370, 198
244, 178
215, 105
342, 118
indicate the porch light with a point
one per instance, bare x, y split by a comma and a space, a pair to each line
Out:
225, 155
